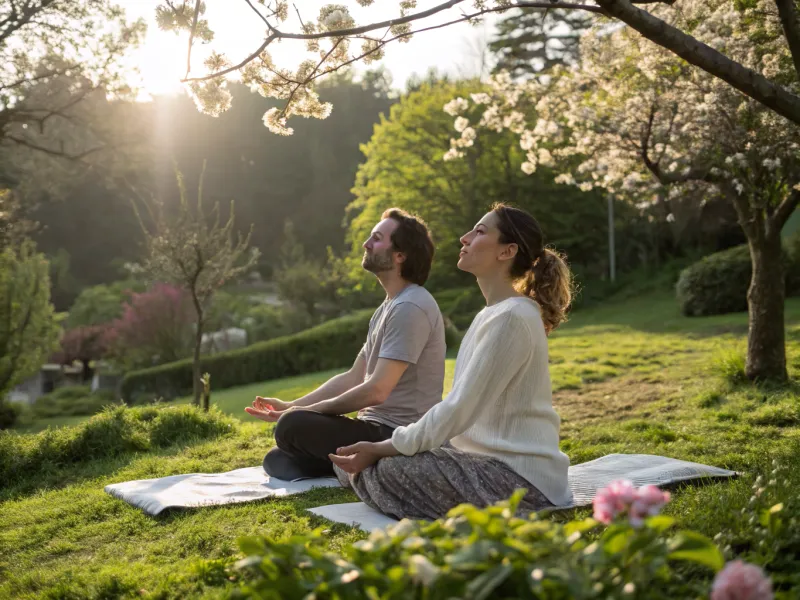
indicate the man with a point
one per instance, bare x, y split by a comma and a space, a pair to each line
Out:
396, 378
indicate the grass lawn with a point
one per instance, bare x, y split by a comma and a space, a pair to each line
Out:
629, 377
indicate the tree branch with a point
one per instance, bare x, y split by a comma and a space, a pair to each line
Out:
51, 152
191, 37
782, 213
387, 24
703, 56
791, 28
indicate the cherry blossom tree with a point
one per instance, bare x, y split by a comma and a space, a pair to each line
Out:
334, 39
636, 120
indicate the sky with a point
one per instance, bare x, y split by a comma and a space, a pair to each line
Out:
238, 32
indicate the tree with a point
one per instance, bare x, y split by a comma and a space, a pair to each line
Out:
155, 328
330, 36
634, 119
28, 324
529, 42
101, 304
301, 281
196, 253
55, 55
84, 345
403, 166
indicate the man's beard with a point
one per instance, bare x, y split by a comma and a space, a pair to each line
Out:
377, 262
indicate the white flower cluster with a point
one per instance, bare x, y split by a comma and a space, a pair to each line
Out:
632, 117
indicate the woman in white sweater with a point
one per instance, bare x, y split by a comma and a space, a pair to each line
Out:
496, 431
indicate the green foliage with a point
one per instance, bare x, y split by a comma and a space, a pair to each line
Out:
716, 284
28, 324
116, 431
332, 344
482, 554
101, 304
10, 413
72, 401
404, 167
728, 363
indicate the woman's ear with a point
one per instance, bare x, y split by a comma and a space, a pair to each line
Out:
509, 252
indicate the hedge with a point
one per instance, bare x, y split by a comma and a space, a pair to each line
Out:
717, 284
333, 344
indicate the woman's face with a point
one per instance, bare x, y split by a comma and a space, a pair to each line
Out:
481, 251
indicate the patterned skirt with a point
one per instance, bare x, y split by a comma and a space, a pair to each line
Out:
427, 485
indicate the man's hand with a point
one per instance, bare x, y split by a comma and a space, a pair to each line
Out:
268, 409
354, 459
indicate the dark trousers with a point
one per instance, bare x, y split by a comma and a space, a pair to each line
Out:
303, 440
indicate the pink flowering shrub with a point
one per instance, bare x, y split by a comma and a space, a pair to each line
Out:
741, 581
620, 497
156, 327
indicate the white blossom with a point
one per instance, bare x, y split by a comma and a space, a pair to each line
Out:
456, 106
461, 124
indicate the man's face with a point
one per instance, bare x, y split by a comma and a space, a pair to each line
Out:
378, 250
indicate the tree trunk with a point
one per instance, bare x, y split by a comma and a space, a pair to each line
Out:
766, 345
197, 385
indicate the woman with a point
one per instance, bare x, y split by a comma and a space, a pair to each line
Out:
498, 418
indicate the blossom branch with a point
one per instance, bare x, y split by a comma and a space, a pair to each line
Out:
693, 51
356, 31
191, 37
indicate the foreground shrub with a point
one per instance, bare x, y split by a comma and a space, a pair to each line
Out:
116, 431
327, 346
486, 553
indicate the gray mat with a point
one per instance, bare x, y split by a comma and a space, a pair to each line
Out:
584, 481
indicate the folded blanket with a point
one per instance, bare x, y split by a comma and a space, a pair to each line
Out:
206, 489
584, 481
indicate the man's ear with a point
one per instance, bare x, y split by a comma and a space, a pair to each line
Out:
400, 257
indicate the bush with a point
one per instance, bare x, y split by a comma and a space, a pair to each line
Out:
482, 554
327, 346
72, 401
717, 284
116, 431
9, 413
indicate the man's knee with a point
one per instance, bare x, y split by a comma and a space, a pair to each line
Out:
293, 426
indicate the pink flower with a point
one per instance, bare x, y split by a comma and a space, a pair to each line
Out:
621, 496
741, 581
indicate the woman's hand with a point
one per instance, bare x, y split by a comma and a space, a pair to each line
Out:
354, 459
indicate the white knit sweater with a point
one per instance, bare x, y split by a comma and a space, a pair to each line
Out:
501, 402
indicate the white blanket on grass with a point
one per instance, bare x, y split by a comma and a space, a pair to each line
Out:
243, 485
209, 489
584, 481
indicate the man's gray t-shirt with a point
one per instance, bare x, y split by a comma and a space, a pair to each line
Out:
410, 328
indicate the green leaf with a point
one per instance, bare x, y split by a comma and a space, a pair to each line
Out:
580, 526
616, 538
251, 545
697, 548
483, 585
660, 523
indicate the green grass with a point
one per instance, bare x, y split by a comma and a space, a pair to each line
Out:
635, 376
